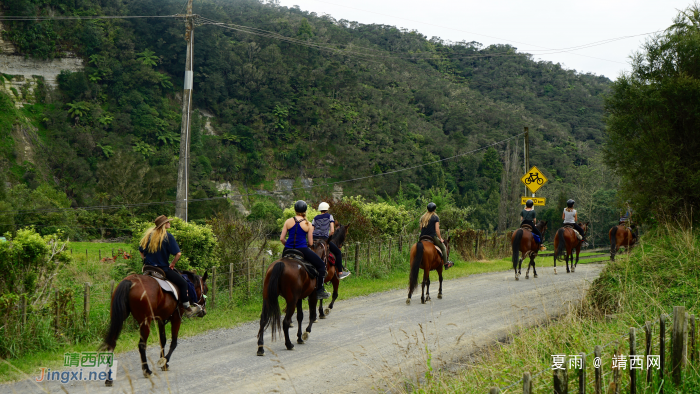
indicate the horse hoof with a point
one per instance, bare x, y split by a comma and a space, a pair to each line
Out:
305, 336
261, 351
165, 368
162, 362
408, 301
427, 298
422, 301
440, 296
527, 276
555, 271
300, 341
290, 346
327, 311
535, 276
321, 317
147, 373
109, 383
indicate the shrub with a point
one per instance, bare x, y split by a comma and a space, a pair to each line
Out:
386, 218
197, 243
235, 239
266, 212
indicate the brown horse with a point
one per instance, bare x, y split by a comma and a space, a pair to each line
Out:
524, 242
424, 255
321, 249
566, 241
142, 296
287, 278
619, 236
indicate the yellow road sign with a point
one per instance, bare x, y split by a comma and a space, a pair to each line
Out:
534, 179
536, 200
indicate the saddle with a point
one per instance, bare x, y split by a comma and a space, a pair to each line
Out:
578, 235
159, 275
295, 254
430, 239
526, 227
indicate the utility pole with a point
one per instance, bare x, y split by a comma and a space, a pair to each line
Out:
526, 154
184, 163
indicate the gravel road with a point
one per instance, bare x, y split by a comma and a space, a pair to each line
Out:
363, 345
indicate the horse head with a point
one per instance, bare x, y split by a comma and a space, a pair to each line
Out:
201, 288
542, 226
320, 247
338, 237
584, 227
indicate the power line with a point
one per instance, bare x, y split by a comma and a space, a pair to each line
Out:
60, 18
98, 207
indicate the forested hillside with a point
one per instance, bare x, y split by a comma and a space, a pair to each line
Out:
382, 99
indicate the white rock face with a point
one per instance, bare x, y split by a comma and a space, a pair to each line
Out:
29, 68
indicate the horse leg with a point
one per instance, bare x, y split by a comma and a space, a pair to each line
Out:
573, 266
422, 290
300, 318
174, 330
534, 271
567, 261
312, 317
321, 315
162, 362
261, 333
439, 270
291, 306
426, 280
555, 262
336, 284
145, 332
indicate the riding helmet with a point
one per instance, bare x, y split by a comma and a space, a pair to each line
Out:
323, 206
300, 206
529, 203
570, 203
432, 207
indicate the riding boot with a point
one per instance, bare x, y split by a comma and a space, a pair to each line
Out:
321, 292
191, 310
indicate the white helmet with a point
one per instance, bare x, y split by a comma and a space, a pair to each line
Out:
323, 206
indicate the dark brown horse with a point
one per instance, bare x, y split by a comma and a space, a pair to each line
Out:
619, 236
287, 278
425, 255
321, 249
565, 241
523, 241
142, 297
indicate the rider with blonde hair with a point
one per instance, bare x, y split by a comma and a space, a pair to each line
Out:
156, 247
430, 226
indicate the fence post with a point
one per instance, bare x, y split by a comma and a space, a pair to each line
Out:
582, 375
369, 245
693, 352
389, 253
213, 287
230, 281
677, 343
684, 361
24, 309
86, 303
379, 260
527, 383
247, 264
647, 349
614, 387
662, 350
400, 243
57, 323
560, 381
99, 251
633, 352
598, 383
357, 258
494, 390
86, 255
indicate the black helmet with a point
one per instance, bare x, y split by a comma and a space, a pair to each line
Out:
300, 206
570, 203
432, 207
529, 203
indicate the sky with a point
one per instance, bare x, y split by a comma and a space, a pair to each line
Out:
540, 27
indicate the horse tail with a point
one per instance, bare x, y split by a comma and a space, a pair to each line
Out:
120, 311
613, 239
271, 306
561, 246
516, 247
415, 266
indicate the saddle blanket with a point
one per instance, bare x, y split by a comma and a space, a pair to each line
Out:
167, 287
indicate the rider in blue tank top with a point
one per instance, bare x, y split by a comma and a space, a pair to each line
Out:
300, 235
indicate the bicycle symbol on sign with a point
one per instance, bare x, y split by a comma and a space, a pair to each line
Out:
534, 177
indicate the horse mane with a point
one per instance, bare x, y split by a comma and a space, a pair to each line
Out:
338, 237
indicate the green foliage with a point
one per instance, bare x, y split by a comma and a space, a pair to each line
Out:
148, 58
197, 243
653, 119
386, 218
